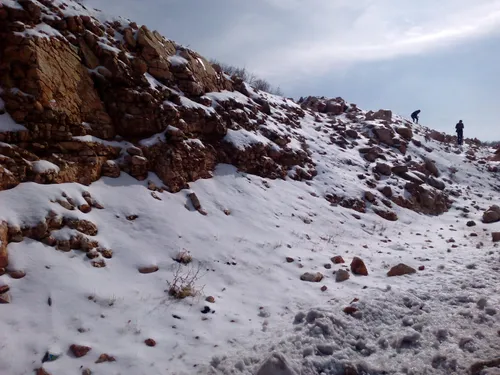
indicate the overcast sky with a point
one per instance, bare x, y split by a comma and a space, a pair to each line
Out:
440, 56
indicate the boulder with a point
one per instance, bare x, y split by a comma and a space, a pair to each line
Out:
405, 132
492, 215
381, 114
434, 182
383, 169
384, 135
401, 269
312, 277
341, 275
358, 267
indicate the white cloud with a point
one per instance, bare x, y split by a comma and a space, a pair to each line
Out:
275, 38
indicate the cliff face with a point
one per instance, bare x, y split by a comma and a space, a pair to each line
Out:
70, 82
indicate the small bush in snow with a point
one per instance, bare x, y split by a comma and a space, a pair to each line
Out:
183, 257
183, 284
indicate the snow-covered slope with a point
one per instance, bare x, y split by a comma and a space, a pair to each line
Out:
226, 259
437, 321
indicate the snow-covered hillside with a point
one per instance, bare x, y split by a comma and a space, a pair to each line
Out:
160, 217
248, 252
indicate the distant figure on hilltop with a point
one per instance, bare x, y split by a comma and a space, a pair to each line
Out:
414, 116
460, 132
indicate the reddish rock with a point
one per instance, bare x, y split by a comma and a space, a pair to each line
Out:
324, 288
400, 270
387, 215
210, 299
358, 267
4, 289
383, 169
16, 274
85, 208
421, 268
150, 342
369, 196
289, 260
337, 259
386, 191
4, 237
349, 310
148, 269
41, 371
79, 350
99, 263
495, 236
312, 277
105, 358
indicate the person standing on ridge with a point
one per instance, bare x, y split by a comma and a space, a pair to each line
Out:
460, 132
414, 116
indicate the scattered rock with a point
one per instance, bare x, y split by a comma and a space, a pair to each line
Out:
16, 274
79, 350
383, 169
210, 299
369, 196
148, 269
105, 358
312, 277
421, 268
349, 310
327, 266
387, 215
337, 259
195, 201
341, 275
85, 208
4, 289
386, 191
492, 215
86, 371
205, 310
358, 267
399, 169
99, 263
41, 371
324, 288
495, 236
5, 298
150, 342
400, 269
289, 260
276, 364
471, 223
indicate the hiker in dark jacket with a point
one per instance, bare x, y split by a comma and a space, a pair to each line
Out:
414, 116
460, 132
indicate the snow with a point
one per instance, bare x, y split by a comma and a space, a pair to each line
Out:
41, 30
177, 60
227, 95
12, 4
7, 124
242, 138
105, 46
188, 103
44, 166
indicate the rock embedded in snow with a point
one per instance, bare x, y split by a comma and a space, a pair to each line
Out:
358, 267
276, 364
16, 274
492, 215
79, 350
471, 223
341, 275
105, 358
495, 236
210, 299
337, 259
312, 277
400, 270
148, 269
150, 342
383, 169
289, 260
